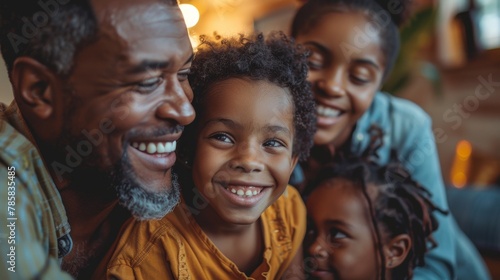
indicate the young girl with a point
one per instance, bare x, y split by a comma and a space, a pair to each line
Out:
237, 219
353, 46
367, 222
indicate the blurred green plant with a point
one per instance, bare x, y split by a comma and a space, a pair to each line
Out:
414, 35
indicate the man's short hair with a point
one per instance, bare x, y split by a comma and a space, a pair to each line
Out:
50, 31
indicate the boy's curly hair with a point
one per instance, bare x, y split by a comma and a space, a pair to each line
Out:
275, 58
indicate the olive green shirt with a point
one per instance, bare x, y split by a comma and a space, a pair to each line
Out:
34, 230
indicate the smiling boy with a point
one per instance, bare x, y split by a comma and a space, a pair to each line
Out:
238, 218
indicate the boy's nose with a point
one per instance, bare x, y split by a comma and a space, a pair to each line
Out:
247, 158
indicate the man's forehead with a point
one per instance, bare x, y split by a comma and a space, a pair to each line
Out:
127, 18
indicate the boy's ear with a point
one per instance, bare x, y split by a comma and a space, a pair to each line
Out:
295, 159
33, 87
396, 250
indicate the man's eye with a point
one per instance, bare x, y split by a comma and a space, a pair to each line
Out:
183, 74
149, 85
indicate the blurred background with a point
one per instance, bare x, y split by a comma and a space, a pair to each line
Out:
449, 64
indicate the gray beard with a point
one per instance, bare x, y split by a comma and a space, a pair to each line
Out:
142, 204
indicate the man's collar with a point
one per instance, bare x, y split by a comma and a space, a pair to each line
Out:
13, 116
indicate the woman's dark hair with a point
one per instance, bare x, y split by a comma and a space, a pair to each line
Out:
275, 59
400, 205
387, 15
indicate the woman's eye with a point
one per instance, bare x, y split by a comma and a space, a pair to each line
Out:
359, 80
221, 137
149, 85
314, 65
360, 75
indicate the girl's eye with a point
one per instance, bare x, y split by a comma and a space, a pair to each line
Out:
222, 137
310, 236
335, 235
274, 143
149, 85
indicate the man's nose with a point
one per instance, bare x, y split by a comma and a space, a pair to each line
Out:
176, 104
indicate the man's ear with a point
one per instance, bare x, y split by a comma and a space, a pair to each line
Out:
33, 85
396, 250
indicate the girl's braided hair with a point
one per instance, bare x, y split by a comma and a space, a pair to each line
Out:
400, 205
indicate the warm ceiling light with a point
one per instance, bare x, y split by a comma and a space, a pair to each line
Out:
190, 13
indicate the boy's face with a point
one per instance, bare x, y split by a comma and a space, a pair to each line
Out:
243, 157
340, 235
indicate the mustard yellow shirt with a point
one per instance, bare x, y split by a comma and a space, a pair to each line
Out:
175, 247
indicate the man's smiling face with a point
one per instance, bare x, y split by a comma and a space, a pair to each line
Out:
129, 91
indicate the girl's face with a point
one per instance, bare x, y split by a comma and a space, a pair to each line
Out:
346, 68
243, 157
340, 236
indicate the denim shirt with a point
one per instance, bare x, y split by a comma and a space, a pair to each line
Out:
407, 129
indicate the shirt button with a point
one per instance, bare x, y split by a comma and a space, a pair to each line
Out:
360, 137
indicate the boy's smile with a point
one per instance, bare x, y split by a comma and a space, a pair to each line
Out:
244, 147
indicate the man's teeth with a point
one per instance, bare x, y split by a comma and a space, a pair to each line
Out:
327, 111
244, 193
155, 148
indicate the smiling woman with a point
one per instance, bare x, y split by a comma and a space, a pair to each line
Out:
353, 45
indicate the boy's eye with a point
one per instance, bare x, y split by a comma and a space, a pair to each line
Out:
149, 85
274, 143
222, 137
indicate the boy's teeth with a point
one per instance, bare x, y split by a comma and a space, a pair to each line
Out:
155, 148
327, 112
245, 191
151, 148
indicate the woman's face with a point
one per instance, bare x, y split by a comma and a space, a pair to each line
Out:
346, 67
